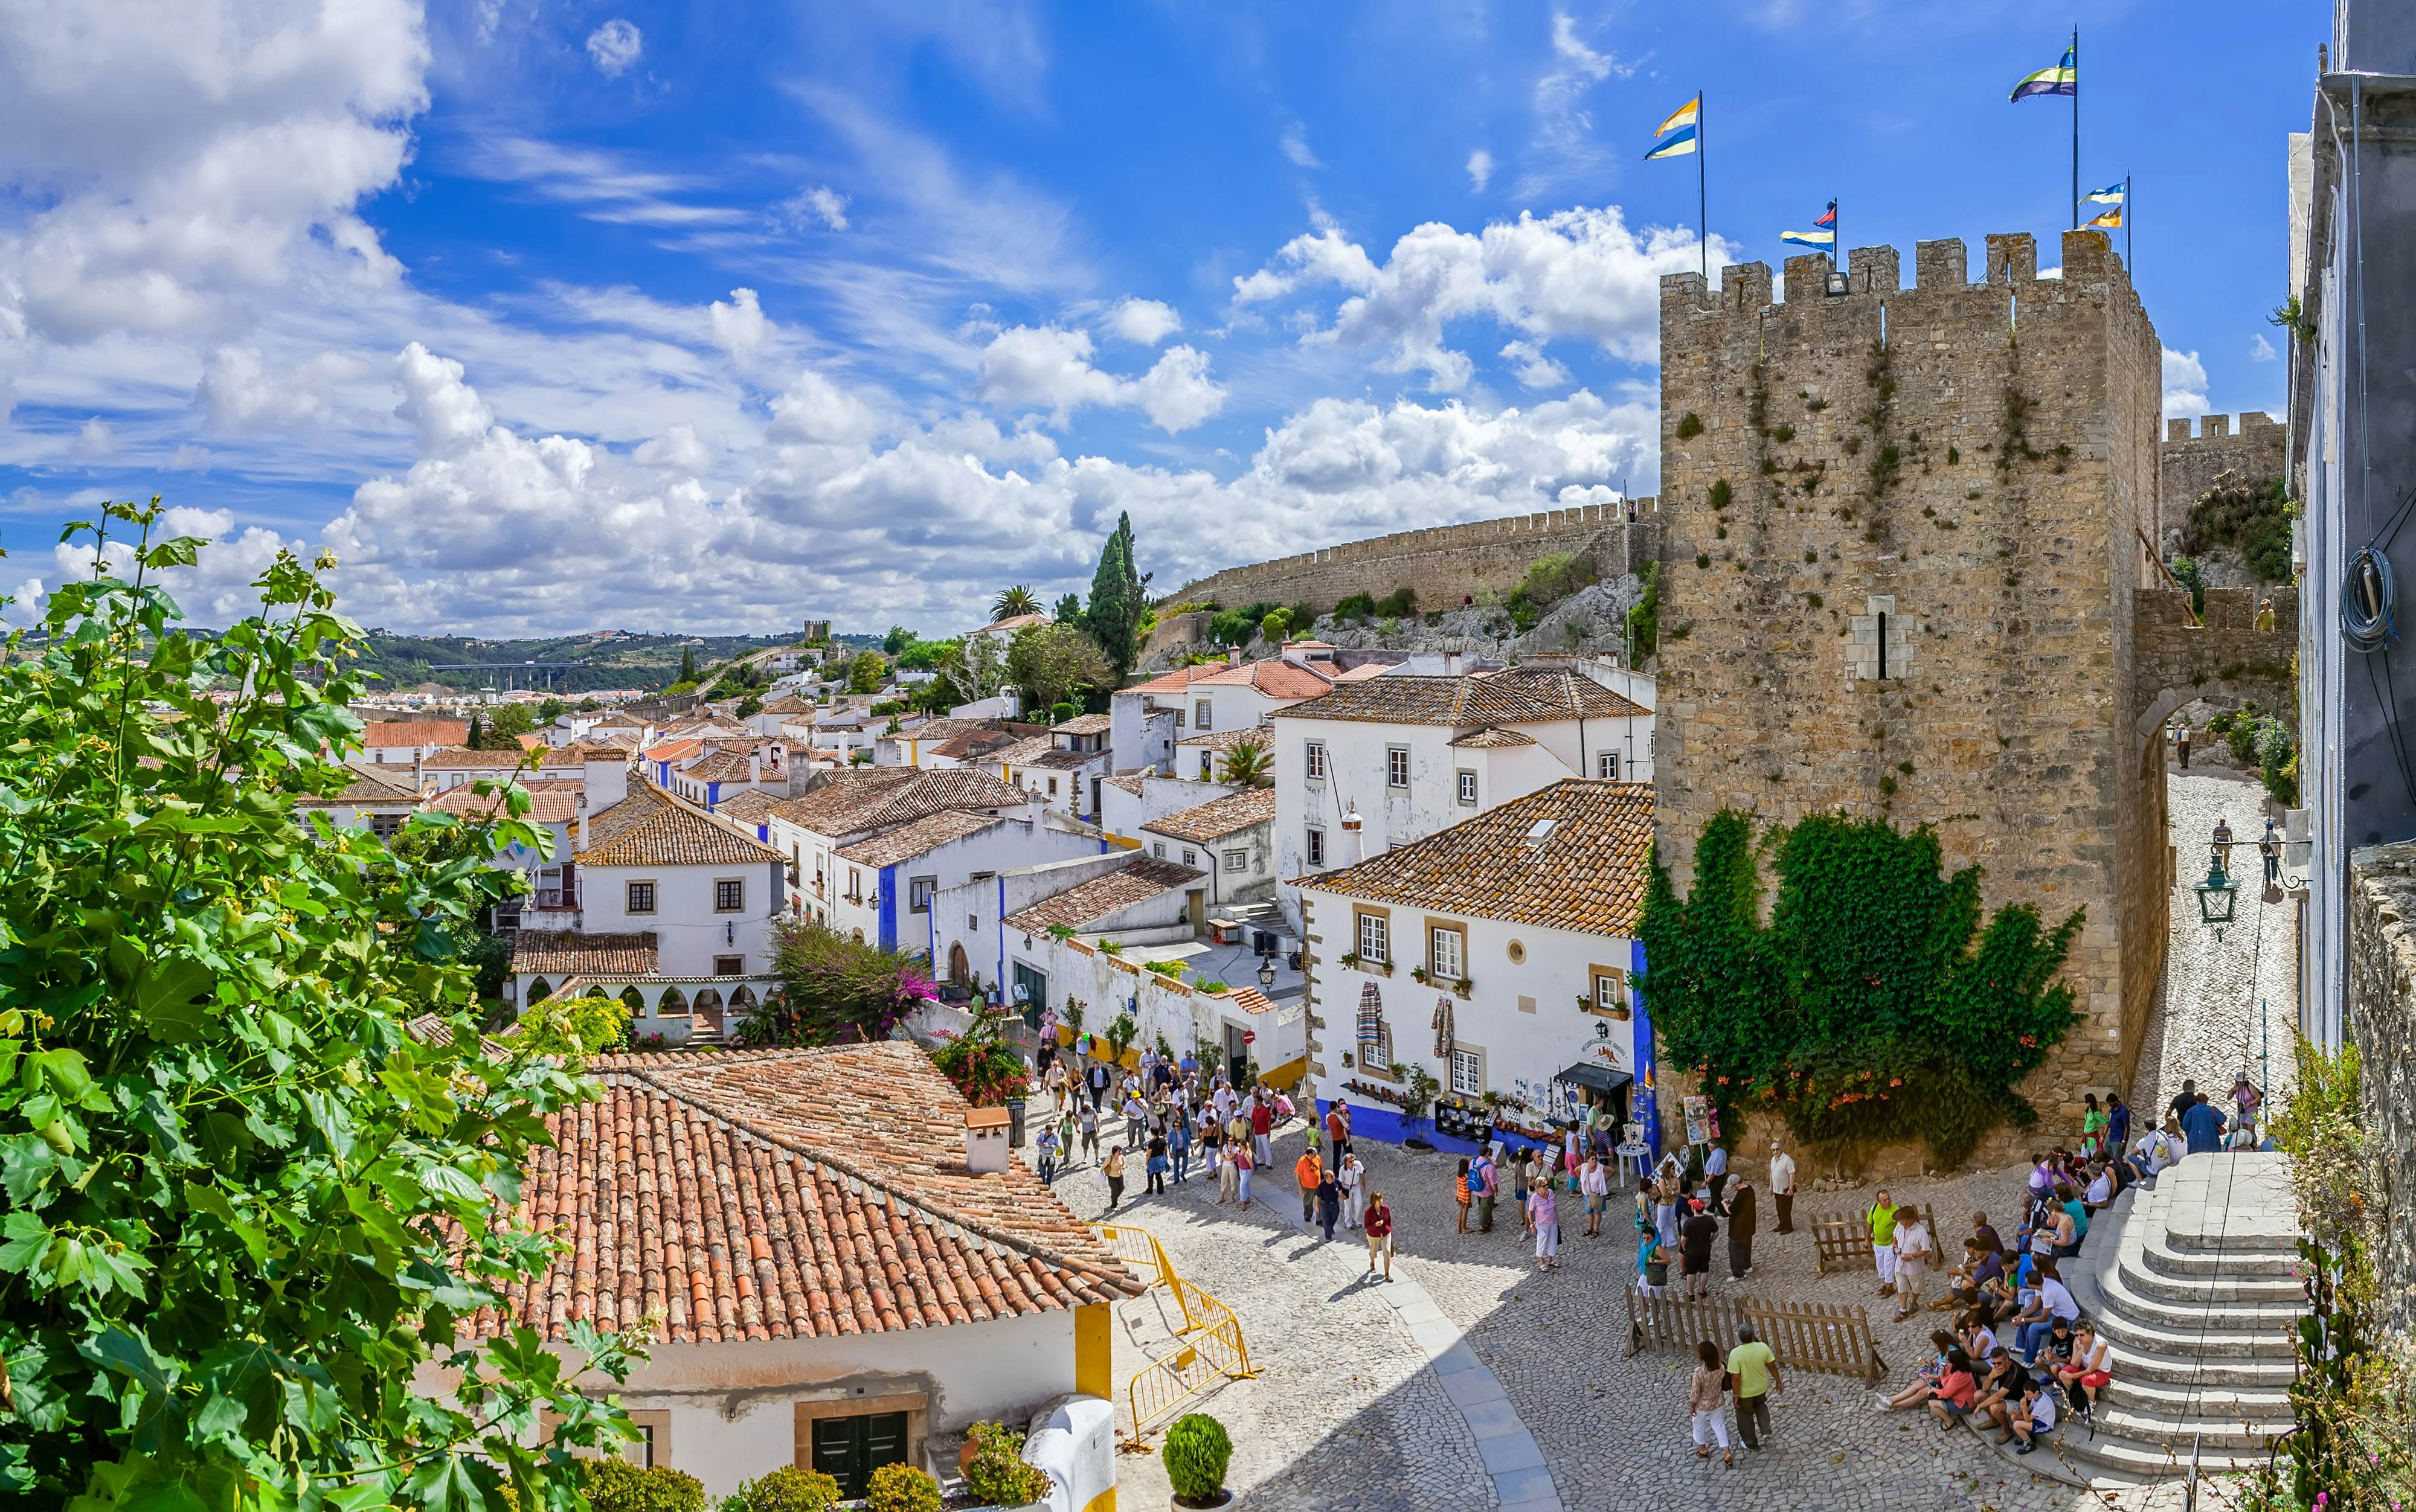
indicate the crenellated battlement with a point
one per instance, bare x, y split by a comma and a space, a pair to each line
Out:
1942, 266
2218, 426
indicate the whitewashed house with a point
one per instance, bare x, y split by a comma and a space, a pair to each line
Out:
1128, 802
456, 765
843, 1263
1500, 954
947, 742
1063, 770
1230, 838
378, 798
869, 893
403, 743
1386, 761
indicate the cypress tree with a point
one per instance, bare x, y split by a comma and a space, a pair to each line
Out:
1118, 598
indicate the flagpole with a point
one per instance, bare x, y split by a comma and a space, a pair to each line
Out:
1702, 195
2128, 266
1836, 235
2075, 127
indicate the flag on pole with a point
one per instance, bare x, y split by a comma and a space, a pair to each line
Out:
2111, 219
2111, 194
1675, 137
2063, 79
1823, 235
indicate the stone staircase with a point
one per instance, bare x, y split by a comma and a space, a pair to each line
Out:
2191, 1285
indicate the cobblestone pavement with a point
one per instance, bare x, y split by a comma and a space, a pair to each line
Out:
2232, 1003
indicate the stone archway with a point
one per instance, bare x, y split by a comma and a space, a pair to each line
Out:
708, 1021
960, 970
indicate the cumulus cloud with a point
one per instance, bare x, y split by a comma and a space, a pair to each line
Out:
821, 206
2184, 386
1480, 170
95, 442
2260, 350
1049, 367
239, 395
1579, 272
738, 324
1533, 368
1144, 322
446, 411
613, 47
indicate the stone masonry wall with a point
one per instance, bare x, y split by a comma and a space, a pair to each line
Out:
2240, 649
2381, 1008
2191, 465
1442, 565
1902, 545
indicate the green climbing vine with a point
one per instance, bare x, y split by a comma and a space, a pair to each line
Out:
1873, 1008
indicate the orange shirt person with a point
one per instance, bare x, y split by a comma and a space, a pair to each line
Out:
1310, 1171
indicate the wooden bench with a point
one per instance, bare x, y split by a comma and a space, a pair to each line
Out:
1830, 1338
1844, 1238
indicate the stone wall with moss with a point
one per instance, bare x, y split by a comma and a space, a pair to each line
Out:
2381, 1023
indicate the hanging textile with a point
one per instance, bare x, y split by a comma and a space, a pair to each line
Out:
1374, 1043
1444, 1036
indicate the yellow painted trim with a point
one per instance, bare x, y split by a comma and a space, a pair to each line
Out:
1286, 1074
1094, 1373
1103, 1502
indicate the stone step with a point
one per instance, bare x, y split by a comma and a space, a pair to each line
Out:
2186, 1316
2232, 1435
2231, 1202
2223, 1278
2232, 1404
2229, 1342
2261, 1373
2110, 1461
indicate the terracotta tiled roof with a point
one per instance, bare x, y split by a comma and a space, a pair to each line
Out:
651, 827
1363, 672
370, 784
1273, 677
461, 758
788, 703
1129, 780
977, 743
1025, 752
1218, 817
579, 753
1084, 724
1015, 622
790, 1195
1499, 698
558, 952
394, 732
1175, 680
722, 766
875, 798
1492, 737
1585, 871
749, 807
950, 728
674, 750
1220, 742
1142, 879
550, 802
926, 833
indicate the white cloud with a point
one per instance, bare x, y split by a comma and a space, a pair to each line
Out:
2260, 350
738, 325
95, 442
238, 395
447, 412
1049, 367
1535, 370
1566, 148
2184, 386
606, 186
817, 410
1294, 143
678, 449
1480, 170
820, 206
1144, 322
613, 46
1579, 272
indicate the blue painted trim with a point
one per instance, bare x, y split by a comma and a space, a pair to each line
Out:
1371, 1119
1648, 1071
887, 879
712, 796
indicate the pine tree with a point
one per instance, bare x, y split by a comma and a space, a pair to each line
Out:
1118, 599
476, 734
688, 663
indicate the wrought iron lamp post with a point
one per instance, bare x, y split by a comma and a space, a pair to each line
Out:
2218, 895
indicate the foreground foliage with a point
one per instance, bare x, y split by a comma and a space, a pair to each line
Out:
245, 1207
834, 990
985, 1067
1872, 1009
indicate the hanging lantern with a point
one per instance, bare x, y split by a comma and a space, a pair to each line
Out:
2219, 894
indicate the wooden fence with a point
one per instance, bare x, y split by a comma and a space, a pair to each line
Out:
1844, 1238
1806, 1335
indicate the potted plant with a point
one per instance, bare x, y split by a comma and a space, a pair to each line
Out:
1417, 1097
1121, 1035
1418, 975
1197, 1454
785, 1489
901, 1488
1351, 959
995, 1471
1463, 986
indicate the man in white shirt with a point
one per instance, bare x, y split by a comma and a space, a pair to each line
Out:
1782, 1186
1715, 1174
2101, 1190
2036, 1415
1912, 1251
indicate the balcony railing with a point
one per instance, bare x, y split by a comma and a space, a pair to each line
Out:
557, 900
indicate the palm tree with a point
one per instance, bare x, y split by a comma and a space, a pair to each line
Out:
1015, 601
1249, 764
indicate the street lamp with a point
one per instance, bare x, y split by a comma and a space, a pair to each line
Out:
2218, 894
1267, 971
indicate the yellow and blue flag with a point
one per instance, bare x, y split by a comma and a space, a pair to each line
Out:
1675, 137
2113, 194
2111, 219
2063, 79
1823, 235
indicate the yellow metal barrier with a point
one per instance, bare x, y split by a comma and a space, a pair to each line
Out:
1215, 1352
1139, 1248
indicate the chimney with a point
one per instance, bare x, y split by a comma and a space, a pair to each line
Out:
985, 1140
607, 783
755, 767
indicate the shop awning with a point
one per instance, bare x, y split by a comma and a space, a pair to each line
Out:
1598, 1077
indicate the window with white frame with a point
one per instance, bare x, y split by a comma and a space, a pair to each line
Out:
1207, 765
1468, 788
1052, 787
1446, 953
1396, 765
1316, 768
1237, 860
1190, 857
1374, 939
1467, 1073
1610, 989
1157, 848
1200, 715
918, 893
854, 884
1316, 846
1605, 766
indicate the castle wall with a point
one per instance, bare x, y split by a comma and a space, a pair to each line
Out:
1895, 550
2254, 453
1442, 565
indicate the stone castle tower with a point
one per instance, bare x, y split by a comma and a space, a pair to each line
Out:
1905, 536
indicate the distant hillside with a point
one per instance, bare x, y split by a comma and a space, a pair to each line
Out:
606, 659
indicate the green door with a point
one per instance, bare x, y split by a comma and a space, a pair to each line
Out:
849, 1449
1036, 989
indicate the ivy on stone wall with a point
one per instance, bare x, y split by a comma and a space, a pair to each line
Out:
1872, 1008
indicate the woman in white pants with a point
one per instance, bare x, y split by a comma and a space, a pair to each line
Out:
1704, 1397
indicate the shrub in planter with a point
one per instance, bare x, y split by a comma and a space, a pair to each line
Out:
1197, 1452
997, 1474
786, 1490
618, 1485
901, 1488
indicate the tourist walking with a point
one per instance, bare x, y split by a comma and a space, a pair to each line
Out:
1115, 1171
1089, 1121
1520, 1171
1466, 1195
1329, 1202
1379, 1236
1353, 1179
2117, 1121
1782, 1186
1337, 1129
1178, 1145
1229, 1174
1098, 1082
1045, 1148
1913, 1252
1544, 1219
1262, 1128
2202, 1126
1716, 1176
1156, 1165
1704, 1399
1695, 1237
1243, 1164
1309, 1171
2181, 743
1136, 1119
1756, 1369
1484, 1186
2268, 848
1743, 1218
1593, 1183
1880, 1222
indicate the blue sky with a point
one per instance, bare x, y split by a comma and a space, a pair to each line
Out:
554, 317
